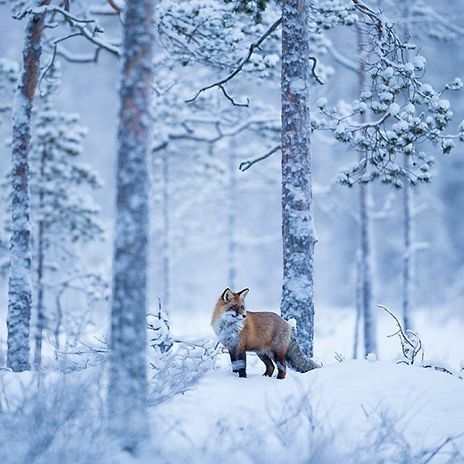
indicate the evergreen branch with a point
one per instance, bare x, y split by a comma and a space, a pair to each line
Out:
243, 62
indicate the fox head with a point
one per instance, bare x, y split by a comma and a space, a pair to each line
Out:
234, 303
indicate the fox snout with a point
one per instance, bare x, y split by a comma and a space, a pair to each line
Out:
237, 314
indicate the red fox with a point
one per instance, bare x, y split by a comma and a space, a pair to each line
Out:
265, 333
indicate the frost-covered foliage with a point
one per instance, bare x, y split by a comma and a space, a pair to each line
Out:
9, 72
176, 364
412, 350
214, 33
65, 220
405, 113
219, 34
46, 419
159, 335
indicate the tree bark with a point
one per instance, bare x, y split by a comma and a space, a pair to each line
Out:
19, 283
365, 267
408, 250
231, 220
166, 233
128, 383
298, 234
408, 223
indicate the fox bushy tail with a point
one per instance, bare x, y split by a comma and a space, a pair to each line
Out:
297, 359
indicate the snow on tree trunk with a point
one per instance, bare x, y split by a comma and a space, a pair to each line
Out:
128, 383
40, 316
166, 232
408, 251
365, 267
298, 234
408, 221
19, 284
231, 219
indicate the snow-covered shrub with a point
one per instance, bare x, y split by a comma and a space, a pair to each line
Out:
177, 364
412, 350
53, 419
180, 367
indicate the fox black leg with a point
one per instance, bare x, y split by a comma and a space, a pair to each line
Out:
269, 364
241, 363
233, 360
281, 362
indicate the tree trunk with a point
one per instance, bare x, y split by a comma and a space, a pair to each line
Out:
408, 222
365, 267
231, 221
19, 284
166, 233
408, 251
298, 234
40, 314
128, 383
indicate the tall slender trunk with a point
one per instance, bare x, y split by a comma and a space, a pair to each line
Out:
298, 234
19, 283
128, 382
408, 250
231, 220
408, 225
166, 232
365, 267
40, 313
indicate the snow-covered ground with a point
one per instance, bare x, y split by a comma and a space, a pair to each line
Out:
357, 411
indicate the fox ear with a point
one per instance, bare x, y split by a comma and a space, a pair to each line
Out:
227, 295
242, 294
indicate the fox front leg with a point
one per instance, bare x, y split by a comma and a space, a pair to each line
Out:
241, 363
233, 360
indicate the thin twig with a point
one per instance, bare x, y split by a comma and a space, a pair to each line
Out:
245, 165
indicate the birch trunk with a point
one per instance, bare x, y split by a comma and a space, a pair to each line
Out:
298, 234
19, 283
128, 383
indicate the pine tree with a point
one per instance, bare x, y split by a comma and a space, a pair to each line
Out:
64, 216
298, 234
128, 384
19, 283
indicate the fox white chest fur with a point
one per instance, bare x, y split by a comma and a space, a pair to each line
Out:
228, 328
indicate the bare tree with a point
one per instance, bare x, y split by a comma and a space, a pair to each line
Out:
298, 234
19, 284
128, 383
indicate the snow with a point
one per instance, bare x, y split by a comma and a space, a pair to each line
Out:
346, 399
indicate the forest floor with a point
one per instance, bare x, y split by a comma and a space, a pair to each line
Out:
356, 410
359, 411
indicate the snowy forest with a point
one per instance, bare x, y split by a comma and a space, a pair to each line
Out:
304, 159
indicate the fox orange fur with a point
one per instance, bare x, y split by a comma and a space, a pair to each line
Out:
267, 334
